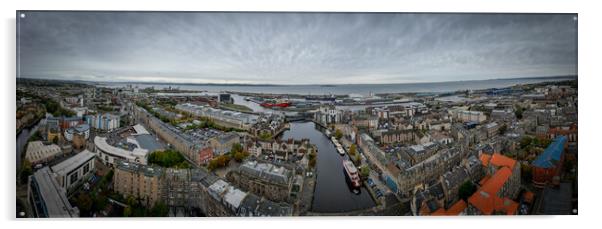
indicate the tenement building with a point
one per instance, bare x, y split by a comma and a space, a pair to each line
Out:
263, 179
140, 181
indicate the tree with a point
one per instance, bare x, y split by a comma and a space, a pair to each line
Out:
352, 149
239, 156
159, 210
525, 141
364, 171
84, 202
236, 147
466, 190
127, 212
212, 165
503, 129
358, 159
518, 112
100, 202
338, 134
167, 158
26, 171
312, 162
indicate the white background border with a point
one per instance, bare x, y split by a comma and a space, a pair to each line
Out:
589, 113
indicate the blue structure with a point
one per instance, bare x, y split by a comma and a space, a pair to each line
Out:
552, 154
391, 184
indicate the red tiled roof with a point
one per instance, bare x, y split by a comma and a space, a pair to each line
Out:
497, 181
439, 212
457, 208
484, 180
501, 160
485, 159
486, 200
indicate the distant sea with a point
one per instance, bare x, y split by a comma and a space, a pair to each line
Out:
345, 89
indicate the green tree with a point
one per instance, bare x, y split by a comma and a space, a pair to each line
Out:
338, 133
212, 165
127, 212
159, 210
466, 190
239, 156
167, 158
100, 202
364, 171
26, 171
352, 149
236, 147
525, 141
358, 159
518, 112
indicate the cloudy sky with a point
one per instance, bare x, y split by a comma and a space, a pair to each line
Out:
294, 48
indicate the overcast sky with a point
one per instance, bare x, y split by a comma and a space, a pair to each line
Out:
294, 48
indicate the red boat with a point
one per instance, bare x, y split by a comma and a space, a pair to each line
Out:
282, 103
352, 174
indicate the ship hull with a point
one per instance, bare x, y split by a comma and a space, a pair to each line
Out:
275, 104
353, 186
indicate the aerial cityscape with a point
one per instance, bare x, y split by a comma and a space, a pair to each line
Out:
157, 114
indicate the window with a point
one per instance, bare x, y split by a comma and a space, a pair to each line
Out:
86, 168
73, 178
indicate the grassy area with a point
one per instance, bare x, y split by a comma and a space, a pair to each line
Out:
168, 158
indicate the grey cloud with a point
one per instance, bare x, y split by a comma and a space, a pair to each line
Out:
295, 48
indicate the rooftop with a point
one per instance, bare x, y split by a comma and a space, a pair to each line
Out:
73, 162
266, 171
149, 171
500, 160
486, 199
234, 197
551, 154
101, 142
47, 190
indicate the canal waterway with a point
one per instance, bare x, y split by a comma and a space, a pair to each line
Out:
332, 193
22, 138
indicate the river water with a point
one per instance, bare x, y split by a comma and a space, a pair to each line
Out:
332, 193
22, 138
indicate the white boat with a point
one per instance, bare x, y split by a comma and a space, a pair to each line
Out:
341, 150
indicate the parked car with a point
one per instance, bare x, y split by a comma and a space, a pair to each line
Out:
370, 182
378, 193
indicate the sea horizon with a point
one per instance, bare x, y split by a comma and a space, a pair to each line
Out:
336, 89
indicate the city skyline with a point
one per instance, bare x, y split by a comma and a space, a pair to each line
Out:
293, 48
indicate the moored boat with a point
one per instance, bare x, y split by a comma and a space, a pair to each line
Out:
352, 174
